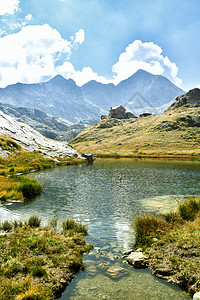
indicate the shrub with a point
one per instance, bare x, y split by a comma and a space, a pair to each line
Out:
34, 221
7, 226
173, 217
53, 223
71, 224
147, 227
17, 224
30, 189
189, 209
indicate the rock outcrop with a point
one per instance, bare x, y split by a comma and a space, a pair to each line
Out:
190, 99
32, 140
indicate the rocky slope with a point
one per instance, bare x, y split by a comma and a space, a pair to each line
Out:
32, 140
174, 133
49, 126
142, 92
190, 99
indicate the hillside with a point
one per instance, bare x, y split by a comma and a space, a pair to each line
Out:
32, 140
59, 97
174, 133
49, 126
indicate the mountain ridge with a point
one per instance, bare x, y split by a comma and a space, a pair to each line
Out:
61, 97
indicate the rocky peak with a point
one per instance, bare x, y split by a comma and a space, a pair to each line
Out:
190, 99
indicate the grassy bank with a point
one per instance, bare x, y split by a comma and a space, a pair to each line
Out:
14, 187
171, 134
38, 262
172, 244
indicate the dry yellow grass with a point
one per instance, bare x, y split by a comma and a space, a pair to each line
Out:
167, 135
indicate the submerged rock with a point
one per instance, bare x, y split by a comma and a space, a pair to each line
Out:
116, 271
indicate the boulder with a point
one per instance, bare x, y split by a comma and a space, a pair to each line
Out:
137, 260
196, 296
89, 157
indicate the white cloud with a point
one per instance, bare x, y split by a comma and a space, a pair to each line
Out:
8, 7
79, 37
146, 56
37, 53
30, 55
80, 77
28, 17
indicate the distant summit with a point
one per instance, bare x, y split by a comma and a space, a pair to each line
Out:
143, 92
190, 99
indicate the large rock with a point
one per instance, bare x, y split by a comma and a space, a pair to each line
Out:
196, 296
190, 99
32, 140
137, 260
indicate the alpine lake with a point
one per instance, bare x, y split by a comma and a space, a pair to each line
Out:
107, 196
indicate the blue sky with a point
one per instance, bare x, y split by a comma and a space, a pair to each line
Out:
105, 40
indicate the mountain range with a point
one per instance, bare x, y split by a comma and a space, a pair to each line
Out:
60, 97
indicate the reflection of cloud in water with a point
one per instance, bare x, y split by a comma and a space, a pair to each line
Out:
124, 235
163, 204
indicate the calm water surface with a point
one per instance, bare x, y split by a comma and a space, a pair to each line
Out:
107, 196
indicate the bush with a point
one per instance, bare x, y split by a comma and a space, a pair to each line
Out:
34, 221
7, 226
189, 209
147, 227
17, 224
53, 223
30, 189
173, 217
71, 224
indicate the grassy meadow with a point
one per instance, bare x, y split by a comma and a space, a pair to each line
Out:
171, 134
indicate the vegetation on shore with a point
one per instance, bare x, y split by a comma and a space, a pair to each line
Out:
172, 244
175, 133
15, 187
39, 262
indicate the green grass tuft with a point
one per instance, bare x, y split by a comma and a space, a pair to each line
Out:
34, 221
189, 209
71, 224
